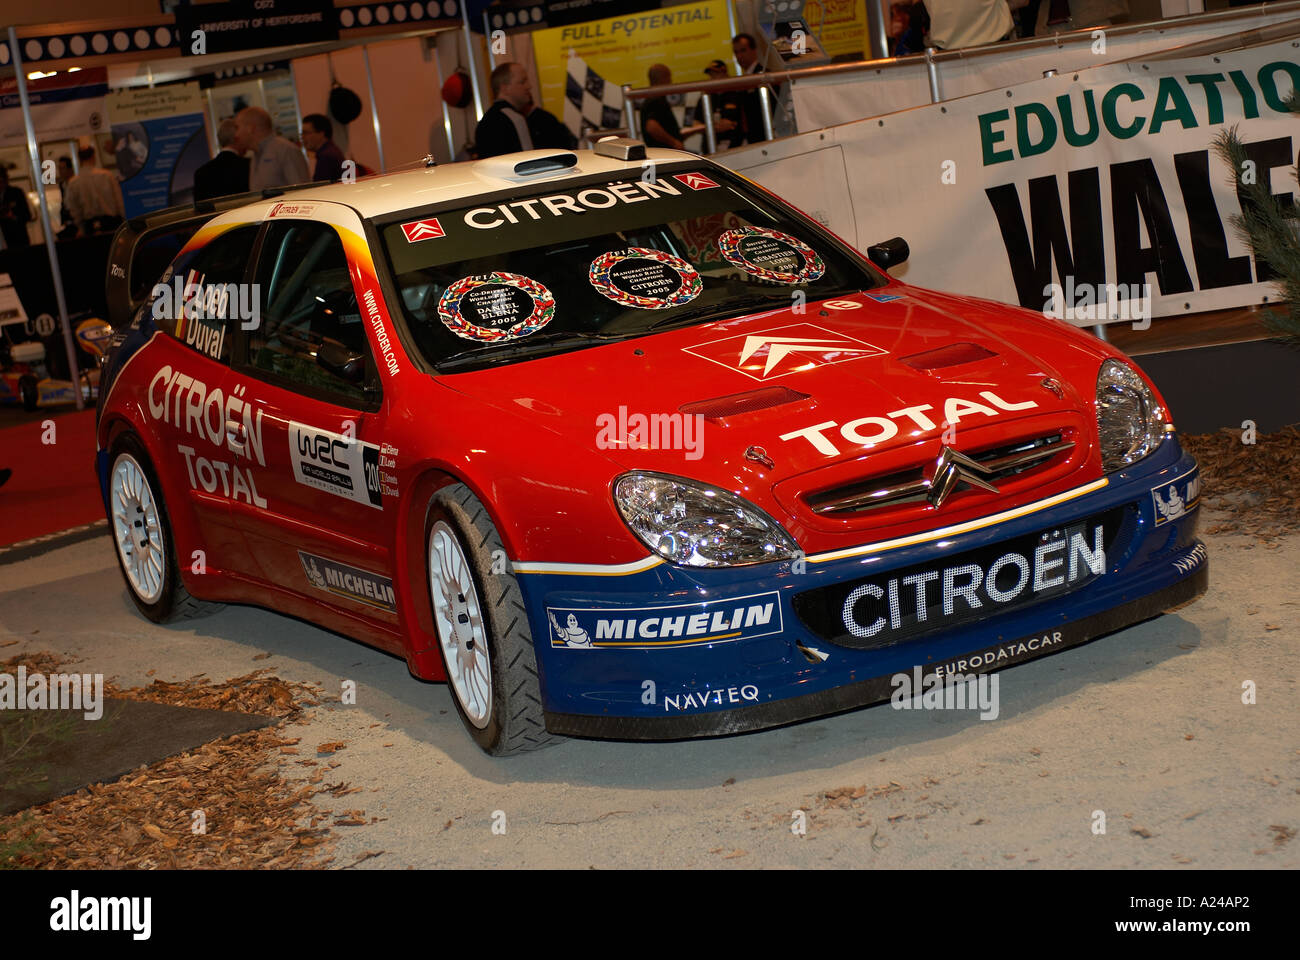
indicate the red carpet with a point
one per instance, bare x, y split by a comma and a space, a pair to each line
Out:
53, 486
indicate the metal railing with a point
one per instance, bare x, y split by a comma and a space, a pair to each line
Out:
933, 58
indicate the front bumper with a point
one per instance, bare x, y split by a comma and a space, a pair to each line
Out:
730, 650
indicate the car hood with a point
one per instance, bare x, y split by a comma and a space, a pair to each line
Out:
762, 383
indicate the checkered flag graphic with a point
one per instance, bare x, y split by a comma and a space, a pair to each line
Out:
589, 100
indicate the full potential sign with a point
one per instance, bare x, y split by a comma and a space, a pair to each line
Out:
622, 49
1092, 181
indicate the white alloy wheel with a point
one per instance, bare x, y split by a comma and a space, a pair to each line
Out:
460, 625
137, 529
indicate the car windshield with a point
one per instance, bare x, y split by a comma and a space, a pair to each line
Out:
577, 264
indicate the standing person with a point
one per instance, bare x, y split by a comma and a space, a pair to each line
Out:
514, 122
14, 213
276, 162
745, 49
728, 118
318, 137
67, 228
968, 23
227, 172
659, 126
94, 197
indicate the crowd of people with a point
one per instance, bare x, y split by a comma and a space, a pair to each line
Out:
252, 156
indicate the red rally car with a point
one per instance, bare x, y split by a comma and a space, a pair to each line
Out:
621, 445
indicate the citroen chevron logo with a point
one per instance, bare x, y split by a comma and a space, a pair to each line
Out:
951, 469
422, 230
696, 181
782, 351
780, 347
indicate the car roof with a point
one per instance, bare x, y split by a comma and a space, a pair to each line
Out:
394, 192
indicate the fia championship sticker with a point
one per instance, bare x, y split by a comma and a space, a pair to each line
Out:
495, 307
771, 255
645, 278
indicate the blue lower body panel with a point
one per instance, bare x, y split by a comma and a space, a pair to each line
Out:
668, 652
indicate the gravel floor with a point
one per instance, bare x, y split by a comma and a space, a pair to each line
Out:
1146, 725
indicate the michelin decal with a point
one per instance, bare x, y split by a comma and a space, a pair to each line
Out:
673, 625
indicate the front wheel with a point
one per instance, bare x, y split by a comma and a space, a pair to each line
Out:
482, 627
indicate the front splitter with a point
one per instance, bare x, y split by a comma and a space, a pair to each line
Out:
863, 693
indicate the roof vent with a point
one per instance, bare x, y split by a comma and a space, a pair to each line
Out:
532, 163
620, 148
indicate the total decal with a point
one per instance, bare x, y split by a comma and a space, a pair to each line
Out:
349, 582
669, 626
1177, 497
907, 605
337, 464
181, 401
886, 427
557, 205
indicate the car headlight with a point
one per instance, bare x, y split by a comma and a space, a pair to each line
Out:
696, 525
1130, 421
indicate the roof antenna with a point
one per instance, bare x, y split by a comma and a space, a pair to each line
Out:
429, 160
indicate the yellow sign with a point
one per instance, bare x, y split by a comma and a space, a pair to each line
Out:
622, 49
841, 25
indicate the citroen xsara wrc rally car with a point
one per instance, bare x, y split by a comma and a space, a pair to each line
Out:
621, 445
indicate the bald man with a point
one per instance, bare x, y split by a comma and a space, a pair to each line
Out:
659, 125
276, 161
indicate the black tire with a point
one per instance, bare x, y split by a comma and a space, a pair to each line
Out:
514, 723
27, 390
173, 602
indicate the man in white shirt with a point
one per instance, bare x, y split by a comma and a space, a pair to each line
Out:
94, 197
276, 162
967, 23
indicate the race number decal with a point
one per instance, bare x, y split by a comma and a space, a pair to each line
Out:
496, 306
645, 278
771, 255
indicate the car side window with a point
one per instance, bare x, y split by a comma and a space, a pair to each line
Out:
203, 293
310, 330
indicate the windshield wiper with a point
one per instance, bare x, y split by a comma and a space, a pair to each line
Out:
534, 344
739, 304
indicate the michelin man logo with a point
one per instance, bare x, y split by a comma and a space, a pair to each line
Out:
315, 576
571, 635
1170, 504
1173, 507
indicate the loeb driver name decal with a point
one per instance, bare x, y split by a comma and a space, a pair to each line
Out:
783, 350
418, 230
771, 255
343, 466
348, 582
1175, 498
902, 603
558, 204
495, 307
641, 277
886, 427
673, 625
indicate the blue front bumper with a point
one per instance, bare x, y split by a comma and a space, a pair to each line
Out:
666, 652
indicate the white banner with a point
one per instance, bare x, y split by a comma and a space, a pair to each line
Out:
843, 98
65, 107
1097, 182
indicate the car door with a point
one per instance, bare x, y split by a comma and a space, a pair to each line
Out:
189, 400
308, 365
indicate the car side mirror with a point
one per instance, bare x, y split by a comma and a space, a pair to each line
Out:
888, 254
337, 359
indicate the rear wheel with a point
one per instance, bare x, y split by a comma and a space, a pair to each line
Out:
145, 548
482, 627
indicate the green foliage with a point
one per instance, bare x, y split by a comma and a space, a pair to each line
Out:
1272, 231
